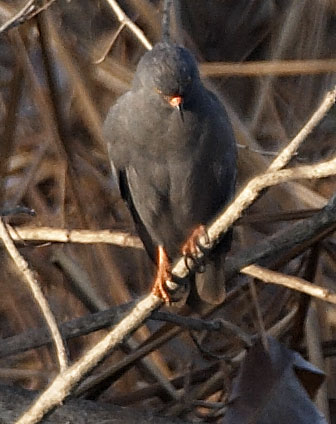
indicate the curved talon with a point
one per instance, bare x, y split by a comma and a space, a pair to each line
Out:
193, 247
162, 275
203, 247
188, 257
198, 264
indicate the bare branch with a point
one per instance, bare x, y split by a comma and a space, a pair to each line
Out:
61, 235
297, 236
295, 283
37, 294
28, 11
274, 67
65, 381
124, 19
315, 119
17, 16
250, 193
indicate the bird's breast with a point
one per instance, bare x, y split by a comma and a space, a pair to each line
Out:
162, 132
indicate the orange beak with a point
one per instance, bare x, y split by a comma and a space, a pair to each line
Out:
177, 102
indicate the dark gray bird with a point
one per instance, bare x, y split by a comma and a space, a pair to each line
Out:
173, 151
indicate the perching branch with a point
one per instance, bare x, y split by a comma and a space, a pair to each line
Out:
246, 197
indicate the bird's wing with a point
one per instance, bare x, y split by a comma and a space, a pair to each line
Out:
116, 133
119, 144
141, 228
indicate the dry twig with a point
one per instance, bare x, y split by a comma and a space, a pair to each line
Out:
292, 282
28, 11
65, 381
291, 148
222, 223
274, 67
124, 19
61, 235
36, 291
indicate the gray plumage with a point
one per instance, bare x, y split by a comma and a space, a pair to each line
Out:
174, 173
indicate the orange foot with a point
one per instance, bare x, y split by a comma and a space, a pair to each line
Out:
163, 274
191, 248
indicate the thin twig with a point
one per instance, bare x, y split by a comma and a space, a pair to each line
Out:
259, 151
17, 210
36, 291
291, 148
45, 234
260, 321
197, 324
295, 283
274, 67
27, 12
103, 55
17, 16
166, 20
314, 339
124, 19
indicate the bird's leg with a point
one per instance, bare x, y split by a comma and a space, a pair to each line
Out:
192, 248
162, 275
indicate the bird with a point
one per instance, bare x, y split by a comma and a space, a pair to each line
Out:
173, 153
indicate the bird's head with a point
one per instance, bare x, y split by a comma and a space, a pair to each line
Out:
170, 71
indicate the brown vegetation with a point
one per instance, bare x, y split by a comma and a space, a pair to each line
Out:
60, 71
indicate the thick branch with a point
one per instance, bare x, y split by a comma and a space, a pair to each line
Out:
272, 247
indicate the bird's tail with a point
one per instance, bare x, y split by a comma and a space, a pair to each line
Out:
208, 287
166, 20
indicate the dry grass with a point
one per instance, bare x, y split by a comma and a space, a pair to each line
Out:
53, 160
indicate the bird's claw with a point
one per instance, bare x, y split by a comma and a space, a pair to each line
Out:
193, 248
163, 274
